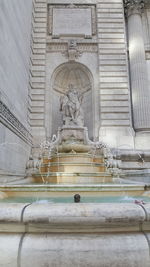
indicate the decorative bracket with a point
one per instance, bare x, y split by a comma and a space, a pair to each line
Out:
72, 52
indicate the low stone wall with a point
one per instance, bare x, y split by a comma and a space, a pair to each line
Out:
95, 235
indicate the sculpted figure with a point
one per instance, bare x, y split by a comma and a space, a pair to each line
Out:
70, 106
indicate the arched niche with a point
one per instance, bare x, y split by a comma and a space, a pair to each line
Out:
80, 76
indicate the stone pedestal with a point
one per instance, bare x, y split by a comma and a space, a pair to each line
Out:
71, 133
73, 138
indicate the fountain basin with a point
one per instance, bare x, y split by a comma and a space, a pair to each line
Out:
62, 234
48, 190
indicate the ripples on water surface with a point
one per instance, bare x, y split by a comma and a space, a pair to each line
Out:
84, 199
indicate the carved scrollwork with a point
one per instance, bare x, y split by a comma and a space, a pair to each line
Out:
77, 50
134, 6
71, 6
72, 52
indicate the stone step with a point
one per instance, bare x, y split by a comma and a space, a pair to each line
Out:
83, 174
73, 180
73, 167
92, 164
54, 190
74, 158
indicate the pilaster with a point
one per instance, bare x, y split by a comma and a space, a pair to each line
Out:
115, 110
38, 73
133, 6
138, 69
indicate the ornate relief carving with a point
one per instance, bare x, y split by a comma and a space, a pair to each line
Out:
72, 52
7, 118
77, 48
147, 3
93, 20
88, 47
133, 6
72, 73
57, 47
71, 6
50, 18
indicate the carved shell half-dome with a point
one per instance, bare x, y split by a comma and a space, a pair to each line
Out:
72, 73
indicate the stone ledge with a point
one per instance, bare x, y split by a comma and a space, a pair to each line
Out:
69, 250
74, 217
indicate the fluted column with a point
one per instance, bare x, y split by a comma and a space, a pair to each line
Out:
138, 68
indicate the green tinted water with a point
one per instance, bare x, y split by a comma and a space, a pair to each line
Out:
84, 199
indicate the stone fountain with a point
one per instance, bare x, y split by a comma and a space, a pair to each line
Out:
71, 157
74, 234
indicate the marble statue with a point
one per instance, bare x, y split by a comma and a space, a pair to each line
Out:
71, 108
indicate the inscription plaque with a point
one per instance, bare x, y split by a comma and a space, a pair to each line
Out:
72, 21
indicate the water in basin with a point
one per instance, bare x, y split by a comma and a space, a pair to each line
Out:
84, 199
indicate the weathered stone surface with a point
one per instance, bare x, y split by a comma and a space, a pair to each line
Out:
84, 214
62, 249
15, 28
10, 213
70, 250
9, 246
147, 210
85, 250
71, 21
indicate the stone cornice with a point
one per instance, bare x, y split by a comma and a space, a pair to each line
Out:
134, 6
11, 122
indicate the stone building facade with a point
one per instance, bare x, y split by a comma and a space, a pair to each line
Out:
102, 47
